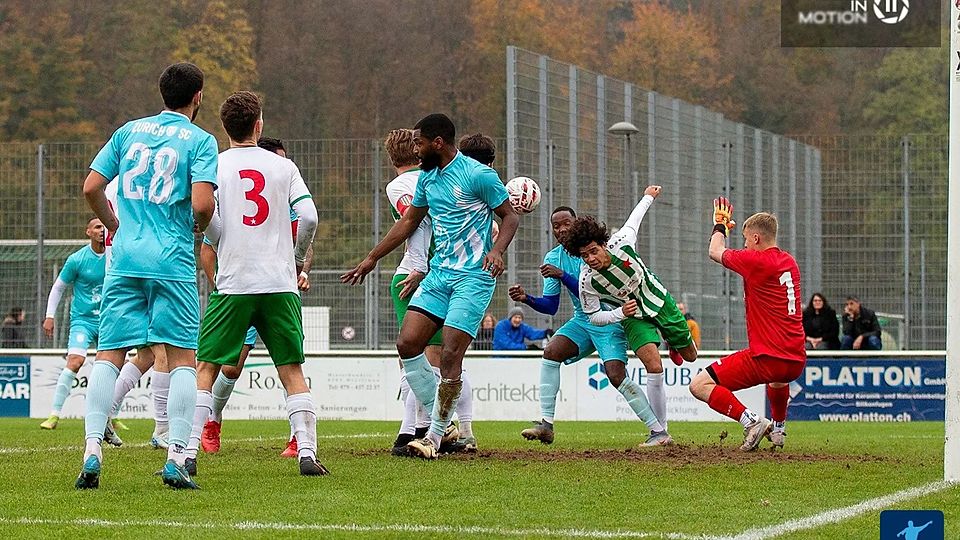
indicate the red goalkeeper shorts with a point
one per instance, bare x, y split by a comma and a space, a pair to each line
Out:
743, 370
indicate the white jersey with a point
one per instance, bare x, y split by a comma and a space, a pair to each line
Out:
255, 252
111, 192
400, 193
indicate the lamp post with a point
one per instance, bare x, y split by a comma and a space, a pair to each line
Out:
626, 129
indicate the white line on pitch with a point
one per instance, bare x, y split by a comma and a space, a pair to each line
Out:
839, 514
22, 450
354, 528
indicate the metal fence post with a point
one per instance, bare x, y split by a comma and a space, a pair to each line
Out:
38, 336
574, 136
792, 192
512, 142
728, 293
601, 150
376, 176
905, 339
652, 168
544, 143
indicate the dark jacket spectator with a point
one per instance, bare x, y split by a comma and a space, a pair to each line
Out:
861, 329
820, 324
511, 333
11, 332
484, 340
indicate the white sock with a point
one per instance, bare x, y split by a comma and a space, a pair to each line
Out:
657, 396
303, 418
160, 388
465, 407
409, 400
748, 418
129, 376
93, 448
423, 416
222, 388
202, 412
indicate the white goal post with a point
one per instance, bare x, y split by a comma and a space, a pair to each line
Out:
951, 449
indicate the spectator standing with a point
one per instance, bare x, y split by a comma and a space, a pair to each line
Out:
692, 324
12, 330
484, 341
861, 329
510, 333
820, 324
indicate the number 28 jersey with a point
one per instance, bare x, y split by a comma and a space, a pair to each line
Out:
771, 293
156, 160
255, 249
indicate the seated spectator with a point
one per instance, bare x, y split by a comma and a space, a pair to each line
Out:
12, 331
861, 329
820, 324
692, 324
511, 333
484, 341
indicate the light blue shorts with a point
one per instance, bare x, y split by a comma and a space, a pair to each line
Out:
144, 311
82, 334
609, 341
251, 338
460, 300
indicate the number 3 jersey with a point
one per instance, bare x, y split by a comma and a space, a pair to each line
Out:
156, 160
771, 294
255, 248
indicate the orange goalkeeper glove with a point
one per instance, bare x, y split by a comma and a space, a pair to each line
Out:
723, 216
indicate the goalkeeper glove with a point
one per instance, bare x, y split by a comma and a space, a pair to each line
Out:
723, 216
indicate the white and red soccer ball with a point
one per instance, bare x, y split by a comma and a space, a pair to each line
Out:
524, 194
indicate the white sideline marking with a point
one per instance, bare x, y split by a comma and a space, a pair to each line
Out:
353, 527
21, 450
839, 514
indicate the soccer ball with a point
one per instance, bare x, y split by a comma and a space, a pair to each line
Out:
524, 194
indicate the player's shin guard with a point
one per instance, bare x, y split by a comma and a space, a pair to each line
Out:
637, 400
778, 398
421, 379
465, 407
549, 386
64, 385
160, 389
222, 388
448, 393
181, 407
201, 413
724, 402
99, 399
408, 424
129, 375
303, 418
658, 396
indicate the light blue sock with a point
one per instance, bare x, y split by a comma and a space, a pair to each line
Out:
182, 404
549, 386
638, 402
64, 385
421, 379
103, 378
222, 388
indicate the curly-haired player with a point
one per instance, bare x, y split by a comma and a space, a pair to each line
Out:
616, 277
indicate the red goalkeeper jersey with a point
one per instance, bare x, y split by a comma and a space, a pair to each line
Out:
771, 293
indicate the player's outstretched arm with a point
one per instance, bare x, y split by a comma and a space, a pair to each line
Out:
722, 224
509, 222
93, 188
400, 231
631, 227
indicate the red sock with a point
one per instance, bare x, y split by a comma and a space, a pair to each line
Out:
724, 402
778, 398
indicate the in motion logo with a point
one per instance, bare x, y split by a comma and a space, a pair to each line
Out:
891, 11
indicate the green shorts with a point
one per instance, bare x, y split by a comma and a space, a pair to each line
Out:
400, 306
276, 316
669, 323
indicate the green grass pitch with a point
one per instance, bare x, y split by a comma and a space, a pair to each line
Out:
591, 482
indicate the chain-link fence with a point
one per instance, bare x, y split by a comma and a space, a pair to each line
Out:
559, 120
840, 201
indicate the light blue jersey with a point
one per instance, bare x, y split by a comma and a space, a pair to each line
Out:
461, 198
551, 286
84, 270
157, 159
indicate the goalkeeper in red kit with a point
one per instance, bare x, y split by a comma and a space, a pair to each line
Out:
775, 354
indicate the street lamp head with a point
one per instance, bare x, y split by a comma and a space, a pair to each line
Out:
623, 128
